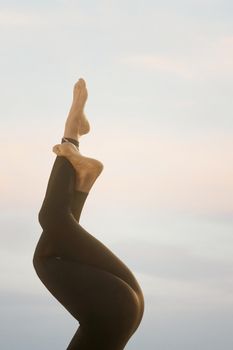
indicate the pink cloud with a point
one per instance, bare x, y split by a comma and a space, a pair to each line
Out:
213, 59
159, 170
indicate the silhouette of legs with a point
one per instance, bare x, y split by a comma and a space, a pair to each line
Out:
92, 283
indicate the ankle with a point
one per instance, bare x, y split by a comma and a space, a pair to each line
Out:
73, 141
85, 180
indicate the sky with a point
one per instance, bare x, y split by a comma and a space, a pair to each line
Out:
159, 76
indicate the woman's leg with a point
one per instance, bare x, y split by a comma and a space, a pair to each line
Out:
79, 197
83, 274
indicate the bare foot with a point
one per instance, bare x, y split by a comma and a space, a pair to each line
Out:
77, 123
87, 169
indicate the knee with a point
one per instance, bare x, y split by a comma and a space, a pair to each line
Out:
141, 307
46, 215
133, 311
37, 261
128, 312
140, 303
42, 217
115, 323
50, 217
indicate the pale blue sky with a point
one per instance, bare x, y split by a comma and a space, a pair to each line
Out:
159, 75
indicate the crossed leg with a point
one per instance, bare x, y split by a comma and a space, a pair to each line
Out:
95, 286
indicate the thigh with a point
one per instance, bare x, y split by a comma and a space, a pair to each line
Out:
84, 340
106, 307
71, 241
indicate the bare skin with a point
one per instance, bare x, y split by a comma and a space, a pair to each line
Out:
77, 124
87, 169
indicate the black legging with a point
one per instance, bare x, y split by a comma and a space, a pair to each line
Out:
93, 284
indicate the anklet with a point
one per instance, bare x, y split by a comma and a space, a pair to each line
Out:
75, 142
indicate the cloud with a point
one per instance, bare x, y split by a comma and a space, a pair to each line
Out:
43, 17
63, 14
15, 19
191, 173
184, 172
158, 63
214, 60
177, 263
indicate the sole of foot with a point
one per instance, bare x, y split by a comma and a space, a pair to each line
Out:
87, 169
77, 123
80, 93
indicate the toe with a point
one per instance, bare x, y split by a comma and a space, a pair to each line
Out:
83, 94
56, 149
77, 86
82, 82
